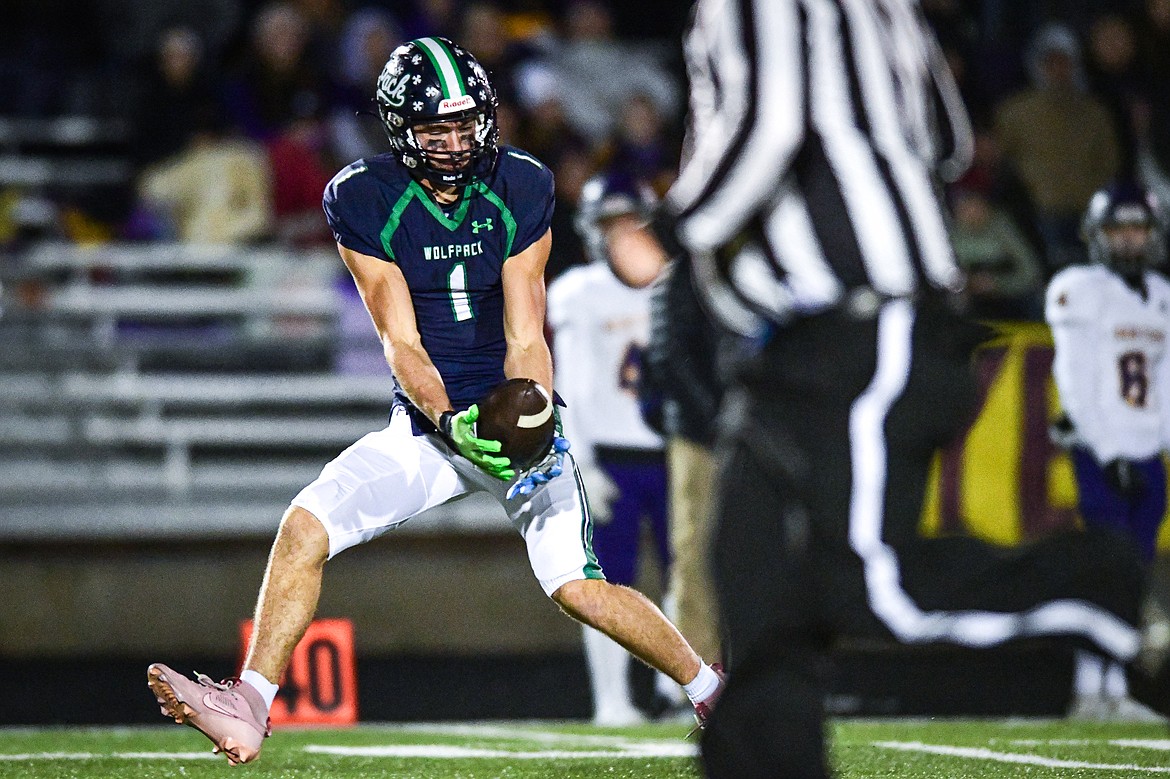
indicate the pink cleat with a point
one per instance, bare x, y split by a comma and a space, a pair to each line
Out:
230, 713
704, 708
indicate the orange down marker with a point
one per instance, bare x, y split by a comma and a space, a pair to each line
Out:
319, 687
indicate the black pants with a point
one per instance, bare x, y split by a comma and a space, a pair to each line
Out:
829, 435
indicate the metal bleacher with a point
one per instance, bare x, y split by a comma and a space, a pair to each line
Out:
176, 391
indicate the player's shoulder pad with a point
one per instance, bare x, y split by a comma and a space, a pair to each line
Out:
524, 167
357, 172
1073, 294
366, 175
1158, 283
351, 184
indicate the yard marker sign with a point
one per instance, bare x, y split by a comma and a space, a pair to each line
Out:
320, 685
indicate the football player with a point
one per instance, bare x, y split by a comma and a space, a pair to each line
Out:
446, 237
1110, 322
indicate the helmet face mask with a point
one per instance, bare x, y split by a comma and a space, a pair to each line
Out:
448, 145
1125, 228
438, 109
1128, 246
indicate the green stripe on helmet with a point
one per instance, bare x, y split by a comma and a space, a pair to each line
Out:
450, 79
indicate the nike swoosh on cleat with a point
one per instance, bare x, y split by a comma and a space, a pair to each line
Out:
211, 704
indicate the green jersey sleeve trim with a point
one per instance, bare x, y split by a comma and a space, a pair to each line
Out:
395, 219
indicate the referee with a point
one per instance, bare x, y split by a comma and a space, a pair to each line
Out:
809, 205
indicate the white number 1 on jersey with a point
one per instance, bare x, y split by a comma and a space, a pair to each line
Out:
460, 300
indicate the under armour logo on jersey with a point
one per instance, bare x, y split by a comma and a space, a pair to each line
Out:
484, 225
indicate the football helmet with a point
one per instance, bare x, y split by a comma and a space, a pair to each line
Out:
1128, 252
431, 80
603, 197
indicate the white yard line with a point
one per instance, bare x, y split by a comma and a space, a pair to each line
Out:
1160, 744
432, 751
604, 746
101, 755
597, 746
978, 753
523, 733
438, 751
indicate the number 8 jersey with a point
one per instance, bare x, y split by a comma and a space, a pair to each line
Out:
1111, 366
451, 257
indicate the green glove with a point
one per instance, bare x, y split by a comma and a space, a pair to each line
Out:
460, 429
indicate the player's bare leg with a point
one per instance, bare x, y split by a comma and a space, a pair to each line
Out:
234, 714
631, 619
290, 592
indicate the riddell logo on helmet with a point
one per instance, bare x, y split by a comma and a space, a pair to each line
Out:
451, 104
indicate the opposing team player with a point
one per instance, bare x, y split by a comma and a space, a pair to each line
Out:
446, 238
1110, 323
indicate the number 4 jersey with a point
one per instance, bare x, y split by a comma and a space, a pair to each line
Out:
451, 257
1110, 366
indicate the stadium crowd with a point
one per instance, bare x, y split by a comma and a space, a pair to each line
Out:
238, 112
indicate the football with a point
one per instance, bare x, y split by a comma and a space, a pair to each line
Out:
518, 414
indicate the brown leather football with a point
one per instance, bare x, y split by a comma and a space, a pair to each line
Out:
518, 414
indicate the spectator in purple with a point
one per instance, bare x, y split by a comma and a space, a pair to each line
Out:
368, 37
277, 81
177, 85
642, 147
429, 17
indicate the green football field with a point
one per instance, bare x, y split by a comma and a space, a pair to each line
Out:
956, 749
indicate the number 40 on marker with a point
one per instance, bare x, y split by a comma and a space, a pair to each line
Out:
320, 685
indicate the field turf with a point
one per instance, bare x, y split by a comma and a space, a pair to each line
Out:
913, 749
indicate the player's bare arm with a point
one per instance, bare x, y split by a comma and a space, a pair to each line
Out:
528, 355
387, 297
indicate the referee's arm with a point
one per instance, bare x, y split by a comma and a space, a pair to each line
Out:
955, 140
742, 152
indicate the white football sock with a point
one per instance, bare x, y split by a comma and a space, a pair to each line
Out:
1116, 685
609, 672
703, 685
1089, 673
266, 688
664, 686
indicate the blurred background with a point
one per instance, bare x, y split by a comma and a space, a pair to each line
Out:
181, 349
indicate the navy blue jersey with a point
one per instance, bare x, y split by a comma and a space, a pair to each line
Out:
451, 257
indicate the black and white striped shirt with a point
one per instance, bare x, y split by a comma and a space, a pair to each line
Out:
817, 131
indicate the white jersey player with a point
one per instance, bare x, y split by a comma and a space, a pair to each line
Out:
1110, 365
600, 327
1110, 323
